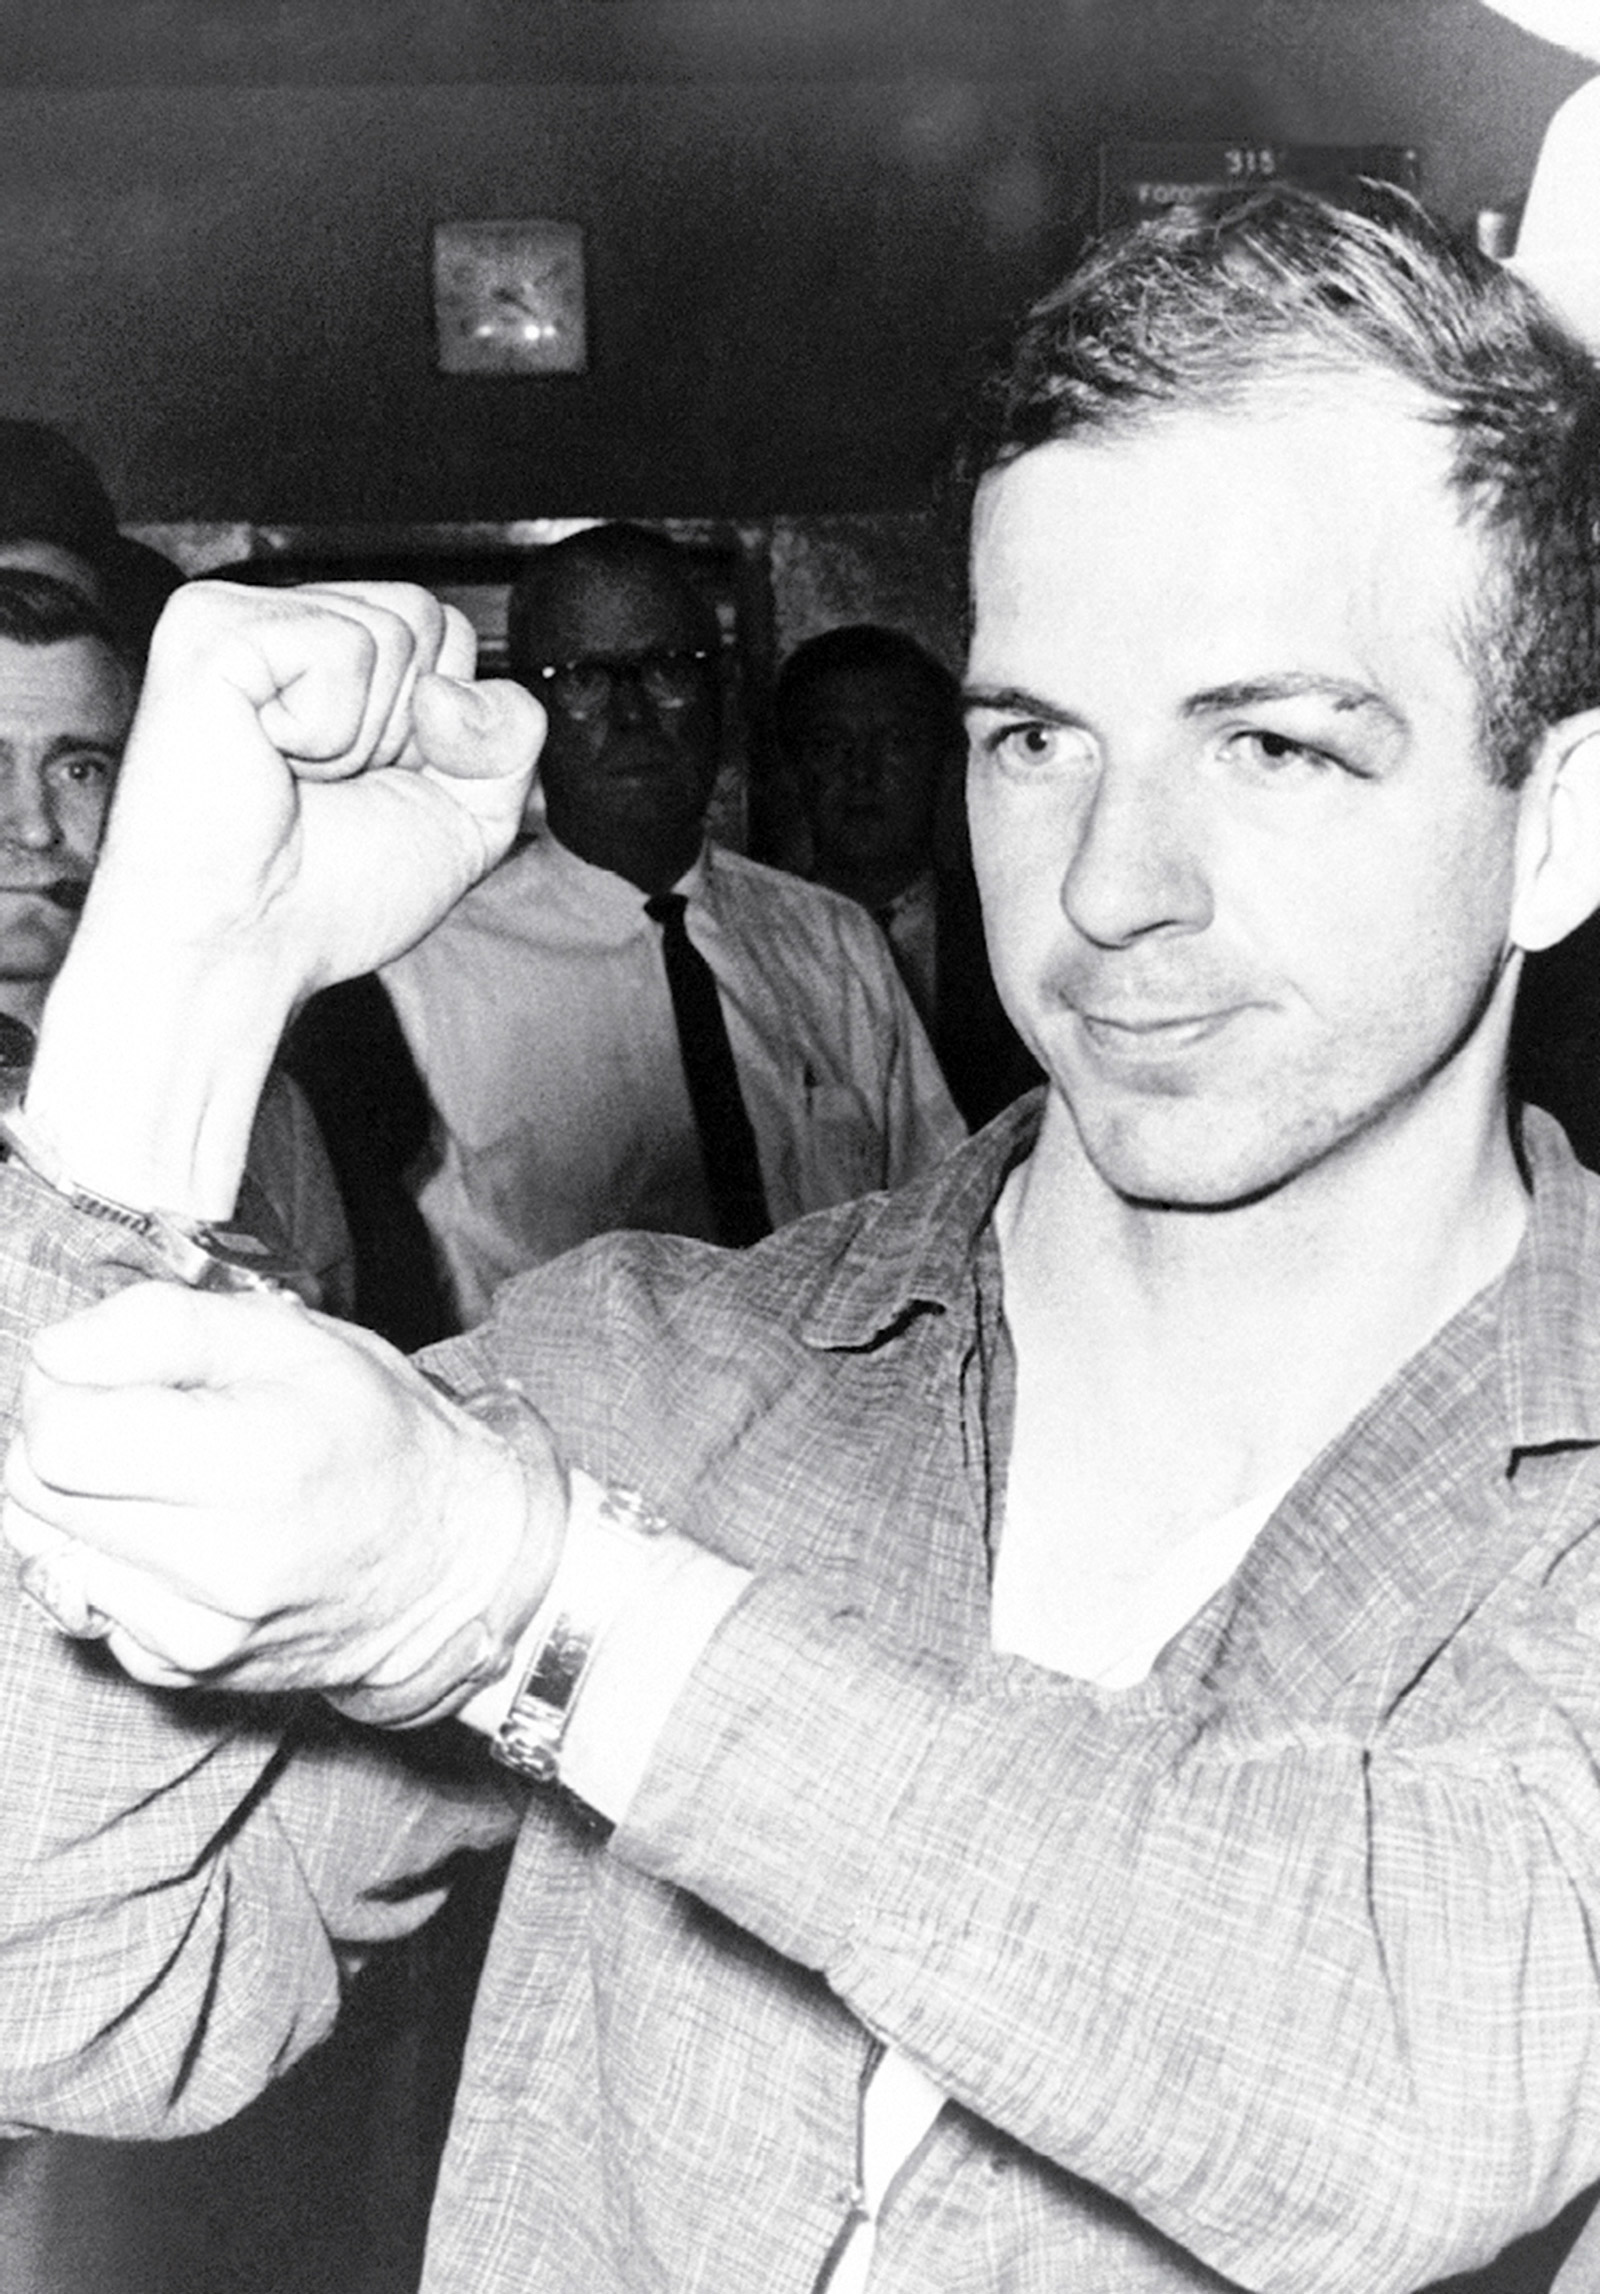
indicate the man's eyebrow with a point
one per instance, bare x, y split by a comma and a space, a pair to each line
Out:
111, 743
1015, 700
1341, 693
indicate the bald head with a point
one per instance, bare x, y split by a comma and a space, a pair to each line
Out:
619, 569
608, 630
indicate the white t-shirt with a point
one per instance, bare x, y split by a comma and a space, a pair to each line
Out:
1032, 1615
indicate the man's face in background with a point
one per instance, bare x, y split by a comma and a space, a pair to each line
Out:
869, 745
64, 715
632, 751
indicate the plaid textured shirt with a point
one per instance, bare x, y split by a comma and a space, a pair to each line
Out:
1279, 1966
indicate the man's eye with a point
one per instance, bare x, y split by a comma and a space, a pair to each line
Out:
1274, 752
86, 770
1036, 747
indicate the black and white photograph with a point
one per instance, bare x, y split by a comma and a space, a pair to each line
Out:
800, 1146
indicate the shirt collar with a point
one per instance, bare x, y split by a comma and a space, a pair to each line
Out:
599, 892
1421, 1504
915, 1248
1549, 1302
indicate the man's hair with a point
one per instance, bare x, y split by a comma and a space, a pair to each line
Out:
870, 646
1198, 310
51, 492
633, 552
38, 609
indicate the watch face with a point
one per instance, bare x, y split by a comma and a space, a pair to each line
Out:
508, 298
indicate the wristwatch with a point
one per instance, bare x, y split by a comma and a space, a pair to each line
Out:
612, 1547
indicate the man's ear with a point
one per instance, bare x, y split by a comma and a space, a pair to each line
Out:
1558, 835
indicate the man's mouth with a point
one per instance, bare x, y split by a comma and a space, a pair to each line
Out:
66, 892
1146, 1034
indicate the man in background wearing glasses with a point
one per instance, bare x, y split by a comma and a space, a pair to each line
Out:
546, 1015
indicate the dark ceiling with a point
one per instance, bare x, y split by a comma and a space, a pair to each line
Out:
130, 43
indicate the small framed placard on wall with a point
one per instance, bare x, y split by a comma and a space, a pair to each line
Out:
508, 298
1138, 180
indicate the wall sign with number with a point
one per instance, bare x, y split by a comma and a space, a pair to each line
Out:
1138, 180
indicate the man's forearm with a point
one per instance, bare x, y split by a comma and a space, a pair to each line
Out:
146, 1083
309, 783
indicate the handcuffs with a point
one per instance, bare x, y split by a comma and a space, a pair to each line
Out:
617, 1533
200, 1253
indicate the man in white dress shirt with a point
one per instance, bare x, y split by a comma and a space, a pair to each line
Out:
539, 1013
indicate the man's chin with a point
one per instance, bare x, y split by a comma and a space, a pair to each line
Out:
30, 960
1188, 1160
1201, 1199
22, 996
649, 798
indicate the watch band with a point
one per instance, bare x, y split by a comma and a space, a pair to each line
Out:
613, 1545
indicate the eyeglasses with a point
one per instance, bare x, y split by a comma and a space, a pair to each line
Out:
668, 679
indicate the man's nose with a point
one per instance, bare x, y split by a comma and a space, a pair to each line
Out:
628, 703
859, 765
27, 813
1139, 864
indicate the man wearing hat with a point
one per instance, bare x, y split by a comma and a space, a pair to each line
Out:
57, 518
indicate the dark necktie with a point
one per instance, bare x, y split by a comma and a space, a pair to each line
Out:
727, 1143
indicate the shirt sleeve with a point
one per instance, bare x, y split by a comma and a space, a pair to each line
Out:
183, 1880
1319, 2001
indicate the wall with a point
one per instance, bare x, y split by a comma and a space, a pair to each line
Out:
214, 222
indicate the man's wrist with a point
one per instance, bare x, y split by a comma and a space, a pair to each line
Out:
519, 1481
594, 1677
195, 1252
610, 1555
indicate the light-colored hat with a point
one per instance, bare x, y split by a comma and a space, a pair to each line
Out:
1558, 245
1573, 24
